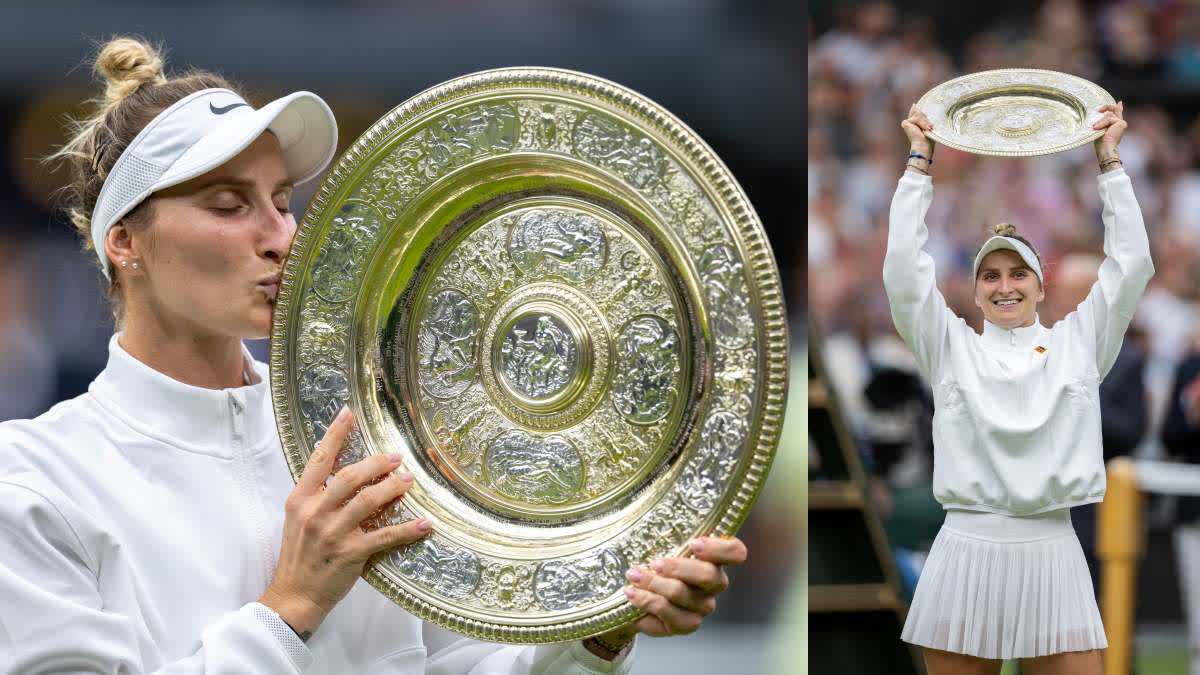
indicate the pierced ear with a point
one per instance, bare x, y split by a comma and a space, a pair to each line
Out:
119, 245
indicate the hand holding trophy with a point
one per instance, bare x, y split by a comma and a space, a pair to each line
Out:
916, 126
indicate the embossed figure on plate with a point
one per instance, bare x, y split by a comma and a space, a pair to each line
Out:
446, 339
323, 392
457, 137
547, 126
647, 363
350, 237
558, 241
321, 341
451, 571
539, 356
508, 587
721, 270
616, 146
563, 584
353, 451
535, 470
718, 452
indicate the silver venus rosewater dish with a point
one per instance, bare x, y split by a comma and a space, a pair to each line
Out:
554, 300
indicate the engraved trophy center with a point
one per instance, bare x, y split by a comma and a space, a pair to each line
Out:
544, 349
539, 356
1016, 123
547, 345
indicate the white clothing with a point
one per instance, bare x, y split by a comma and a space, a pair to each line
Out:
1005, 587
142, 520
1017, 413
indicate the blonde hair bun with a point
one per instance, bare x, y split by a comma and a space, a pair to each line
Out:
97, 139
1005, 229
126, 64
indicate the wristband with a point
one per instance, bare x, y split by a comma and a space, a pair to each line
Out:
917, 154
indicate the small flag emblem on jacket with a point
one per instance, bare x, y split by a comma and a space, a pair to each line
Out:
1040, 349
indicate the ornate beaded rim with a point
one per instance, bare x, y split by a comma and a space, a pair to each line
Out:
1052, 75
736, 212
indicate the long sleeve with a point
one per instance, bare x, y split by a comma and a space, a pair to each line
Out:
918, 308
453, 654
1106, 312
53, 619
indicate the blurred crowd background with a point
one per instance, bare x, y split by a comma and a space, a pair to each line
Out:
728, 69
867, 63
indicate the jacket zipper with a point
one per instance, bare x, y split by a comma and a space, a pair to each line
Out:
245, 471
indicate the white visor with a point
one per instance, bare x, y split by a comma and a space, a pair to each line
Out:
203, 131
998, 242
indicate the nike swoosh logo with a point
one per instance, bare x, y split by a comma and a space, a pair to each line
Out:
224, 109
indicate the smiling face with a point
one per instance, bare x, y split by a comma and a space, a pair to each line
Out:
212, 255
1007, 290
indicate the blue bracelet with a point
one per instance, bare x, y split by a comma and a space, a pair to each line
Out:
917, 154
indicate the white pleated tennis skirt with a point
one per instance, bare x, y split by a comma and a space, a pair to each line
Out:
1005, 587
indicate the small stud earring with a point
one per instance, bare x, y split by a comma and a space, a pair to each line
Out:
135, 265
124, 263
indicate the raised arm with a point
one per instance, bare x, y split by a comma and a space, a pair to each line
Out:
1105, 314
918, 308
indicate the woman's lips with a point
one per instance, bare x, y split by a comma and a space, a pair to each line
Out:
271, 289
270, 286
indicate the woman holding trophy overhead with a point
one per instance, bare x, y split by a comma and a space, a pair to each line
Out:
1016, 429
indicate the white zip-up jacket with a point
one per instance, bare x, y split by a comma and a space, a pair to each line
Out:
1016, 428
140, 522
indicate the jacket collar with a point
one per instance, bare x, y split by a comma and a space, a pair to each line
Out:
1024, 336
192, 418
